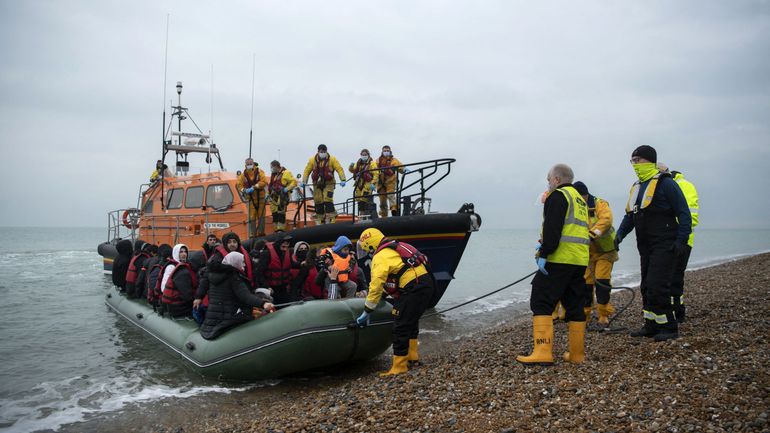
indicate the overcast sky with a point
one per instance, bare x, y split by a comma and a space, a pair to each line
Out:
507, 87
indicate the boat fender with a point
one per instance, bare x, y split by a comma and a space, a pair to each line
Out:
190, 345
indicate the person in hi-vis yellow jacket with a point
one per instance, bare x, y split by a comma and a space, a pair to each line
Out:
320, 168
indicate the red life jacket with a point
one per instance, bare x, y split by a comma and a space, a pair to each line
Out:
361, 173
310, 288
171, 295
132, 271
322, 169
411, 256
246, 260
153, 290
278, 273
383, 162
276, 182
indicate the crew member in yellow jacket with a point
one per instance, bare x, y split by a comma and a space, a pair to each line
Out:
281, 184
677, 281
251, 183
401, 271
365, 176
320, 168
389, 166
602, 255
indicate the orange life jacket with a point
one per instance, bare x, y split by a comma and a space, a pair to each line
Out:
342, 263
385, 161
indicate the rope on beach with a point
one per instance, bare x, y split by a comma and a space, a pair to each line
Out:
482, 296
619, 311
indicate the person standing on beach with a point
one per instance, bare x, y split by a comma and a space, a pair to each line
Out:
251, 184
677, 283
602, 254
562, 257
401, 271
658, 211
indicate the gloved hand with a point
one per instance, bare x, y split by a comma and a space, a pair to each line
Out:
617, 243
406, 170
285, 190
372, 187
538, 245
541, 261
302, 184
248, 190
363, 320
679, 249
342, 183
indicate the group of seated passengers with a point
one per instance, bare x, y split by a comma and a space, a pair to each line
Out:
225, 285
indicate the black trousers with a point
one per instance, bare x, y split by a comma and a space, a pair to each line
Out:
412, 302
657, 266
563, 283
677, 283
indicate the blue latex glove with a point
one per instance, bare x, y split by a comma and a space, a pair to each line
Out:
285, 190
248, 190
541, 261
363, 320
406, 170
302, 184
372, 187
538, 245
342, 183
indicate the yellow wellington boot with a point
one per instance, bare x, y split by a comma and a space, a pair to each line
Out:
413, 356
604, 313
587, 311
399, 366
542, 332
577, 343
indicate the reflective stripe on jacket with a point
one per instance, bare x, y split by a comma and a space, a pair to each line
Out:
574, 241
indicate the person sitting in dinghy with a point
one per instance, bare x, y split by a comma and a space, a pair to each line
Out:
179, 284
230, 298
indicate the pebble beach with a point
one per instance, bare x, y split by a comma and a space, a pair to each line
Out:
714, 378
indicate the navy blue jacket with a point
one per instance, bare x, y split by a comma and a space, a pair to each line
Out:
668, 197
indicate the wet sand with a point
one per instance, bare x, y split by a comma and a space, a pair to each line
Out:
714, 378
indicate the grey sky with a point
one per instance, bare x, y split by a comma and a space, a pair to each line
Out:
508, 88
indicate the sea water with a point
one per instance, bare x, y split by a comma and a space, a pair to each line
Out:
67, 358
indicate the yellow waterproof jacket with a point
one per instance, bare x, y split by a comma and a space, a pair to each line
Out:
254, 178
283, 179
691, 195
388, 177
334, 165
369, 169
600, 227
387, 262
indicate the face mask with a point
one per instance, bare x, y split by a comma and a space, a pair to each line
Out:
250, 167
322, 155
301, 255
275, 169
386, 153
364, 158
645, 171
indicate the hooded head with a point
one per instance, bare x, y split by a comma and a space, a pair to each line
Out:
234, 259
300, 250
229, 237
340, 245
581, 188
180, 253
164, 251
124, 247
138, 245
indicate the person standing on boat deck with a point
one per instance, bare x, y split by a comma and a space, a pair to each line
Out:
365, 178
281, 184
120, 264
274, 269
658, 211
230, 298
677, 283
602, 254
141, 254
320, 168
252, 183
389, 166
179, 283
338, 256
160, 167
402, 272
561, 258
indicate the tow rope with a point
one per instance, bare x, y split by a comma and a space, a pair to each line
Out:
482, 296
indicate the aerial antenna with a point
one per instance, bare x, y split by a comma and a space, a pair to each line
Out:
253, 72
211, 127
163, 137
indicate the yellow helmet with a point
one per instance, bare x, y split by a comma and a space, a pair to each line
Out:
368, 242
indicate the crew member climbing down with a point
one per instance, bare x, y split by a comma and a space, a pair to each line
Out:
402, 272
252, 185
281, 184
561, 259
321, 168
365, 177
602, 254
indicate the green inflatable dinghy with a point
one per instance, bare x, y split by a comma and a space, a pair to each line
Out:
307, 336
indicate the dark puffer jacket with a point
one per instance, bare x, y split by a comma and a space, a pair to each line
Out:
120, 264
184, 284
230, 302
